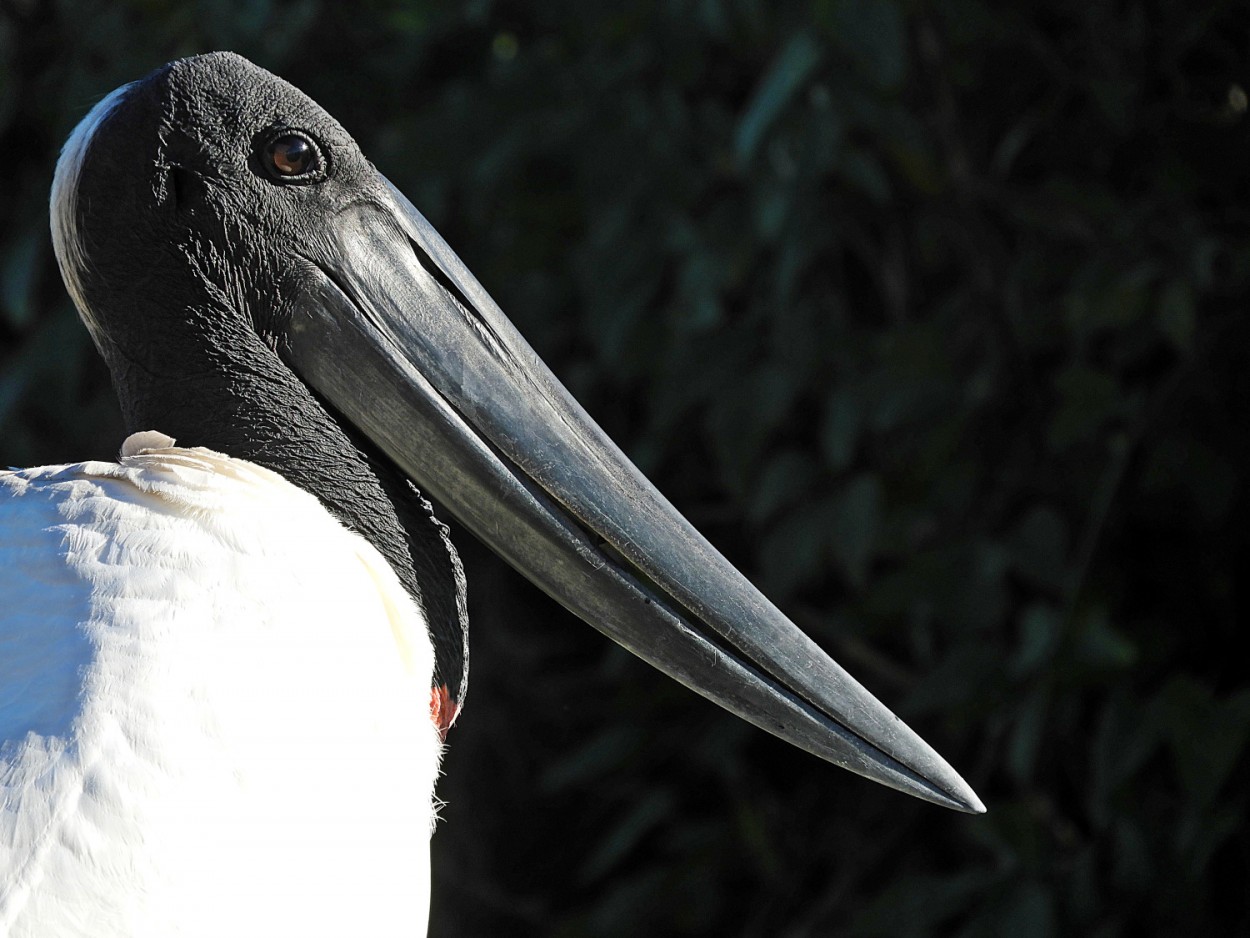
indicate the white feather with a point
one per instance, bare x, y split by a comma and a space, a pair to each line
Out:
214, 709
71, 254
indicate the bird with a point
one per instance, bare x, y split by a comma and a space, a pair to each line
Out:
229, 659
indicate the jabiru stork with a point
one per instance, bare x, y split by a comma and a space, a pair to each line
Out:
228, 659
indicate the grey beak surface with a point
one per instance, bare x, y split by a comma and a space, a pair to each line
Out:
395, 332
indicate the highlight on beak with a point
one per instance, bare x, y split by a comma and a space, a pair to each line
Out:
395, 332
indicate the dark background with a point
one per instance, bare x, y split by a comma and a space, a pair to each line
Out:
931, 315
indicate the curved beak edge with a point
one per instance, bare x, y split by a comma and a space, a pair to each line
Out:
396, 333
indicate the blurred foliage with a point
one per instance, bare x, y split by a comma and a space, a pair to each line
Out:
932, 315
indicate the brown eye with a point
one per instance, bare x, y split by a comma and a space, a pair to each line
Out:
292, 157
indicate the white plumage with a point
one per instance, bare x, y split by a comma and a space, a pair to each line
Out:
212, 696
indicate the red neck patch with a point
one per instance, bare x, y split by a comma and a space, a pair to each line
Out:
443, 710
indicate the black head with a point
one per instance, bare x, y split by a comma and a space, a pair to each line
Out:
200, 184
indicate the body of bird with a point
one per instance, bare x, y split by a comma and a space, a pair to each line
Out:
213, 698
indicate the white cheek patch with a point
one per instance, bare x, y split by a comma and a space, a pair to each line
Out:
66, 239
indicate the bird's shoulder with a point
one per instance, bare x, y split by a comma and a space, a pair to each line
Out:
185, 640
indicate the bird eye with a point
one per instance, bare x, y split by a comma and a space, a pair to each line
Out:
292, 157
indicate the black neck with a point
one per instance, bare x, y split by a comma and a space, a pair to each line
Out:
246, 403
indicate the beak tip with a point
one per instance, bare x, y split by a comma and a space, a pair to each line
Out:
972, 804
959, 796
926, 775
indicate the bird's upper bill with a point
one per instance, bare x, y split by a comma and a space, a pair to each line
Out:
274, 244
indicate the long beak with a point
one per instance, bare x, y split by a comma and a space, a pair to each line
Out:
397, 334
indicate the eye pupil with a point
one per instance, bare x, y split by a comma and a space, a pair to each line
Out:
291, 155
